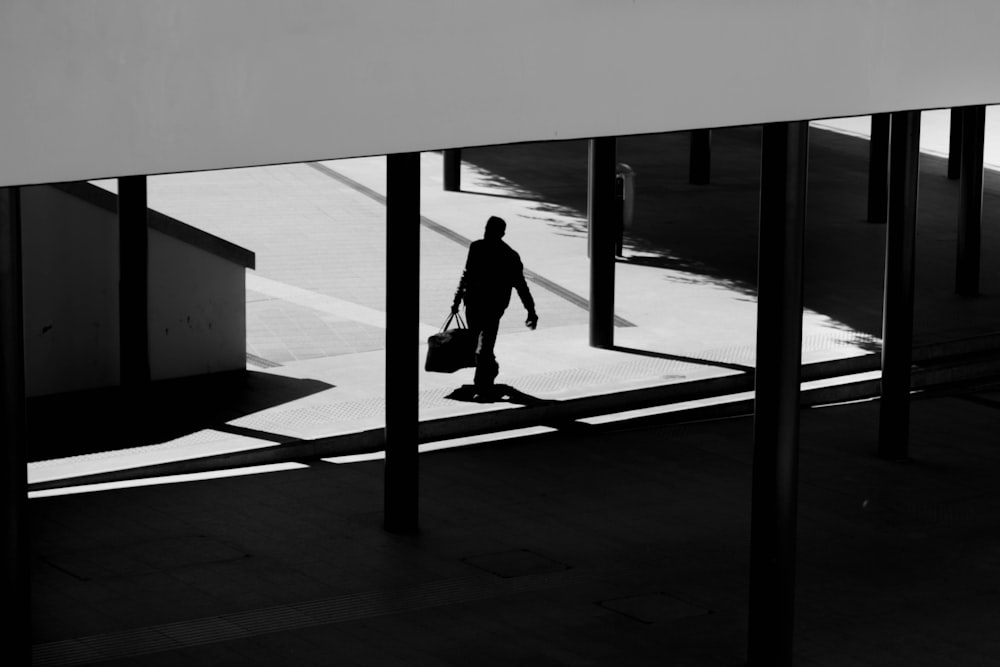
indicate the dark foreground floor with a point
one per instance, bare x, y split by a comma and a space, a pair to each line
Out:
594, 546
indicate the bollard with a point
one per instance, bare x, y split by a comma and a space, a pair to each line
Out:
625, 201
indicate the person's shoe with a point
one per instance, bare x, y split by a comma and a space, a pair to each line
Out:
485, 393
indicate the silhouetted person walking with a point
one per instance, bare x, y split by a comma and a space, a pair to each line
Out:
492, 270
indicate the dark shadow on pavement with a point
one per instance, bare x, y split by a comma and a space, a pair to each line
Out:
255, 433
710, 231
500, 393
687, 360
85, 422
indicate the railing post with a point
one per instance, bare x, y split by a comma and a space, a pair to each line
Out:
955, 130
700, 157
878, 168
16, 574
897, 312
402, 319
453, 169
774, 496
970, 207
133, 284
602, 217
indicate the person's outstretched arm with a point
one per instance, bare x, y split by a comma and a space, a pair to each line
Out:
521, 285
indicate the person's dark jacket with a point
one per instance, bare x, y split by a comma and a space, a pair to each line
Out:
492, 270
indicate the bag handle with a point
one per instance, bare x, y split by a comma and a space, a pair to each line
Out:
458, 320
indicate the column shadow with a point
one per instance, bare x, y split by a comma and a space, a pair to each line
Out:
686, 360
101, 420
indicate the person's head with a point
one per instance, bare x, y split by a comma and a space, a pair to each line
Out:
495, 228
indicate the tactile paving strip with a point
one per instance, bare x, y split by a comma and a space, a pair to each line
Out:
837, 339
746, 355
574, 378
299, 421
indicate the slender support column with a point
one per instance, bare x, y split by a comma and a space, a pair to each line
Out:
970, 207
700, 158
784, 167
878, 169
15, 594
453, 169
955, 144
402, 333
602, 218
133, 283
897, 311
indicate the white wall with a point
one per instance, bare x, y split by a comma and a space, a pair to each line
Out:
70, 260
197, 307
105, 88
197, 311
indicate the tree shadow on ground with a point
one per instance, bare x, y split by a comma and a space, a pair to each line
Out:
86, 422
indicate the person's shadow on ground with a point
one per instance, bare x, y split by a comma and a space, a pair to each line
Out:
499, 393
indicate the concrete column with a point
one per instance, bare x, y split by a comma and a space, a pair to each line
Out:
878, 169
16, 574
453, 169
700, 158
784, 167
970, 207
955, 144
133, 283
602, 229
402, 334
897, 312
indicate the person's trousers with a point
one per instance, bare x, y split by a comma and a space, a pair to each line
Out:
485, 327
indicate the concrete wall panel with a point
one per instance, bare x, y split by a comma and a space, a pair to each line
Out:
70, 259
197, 307
197, 318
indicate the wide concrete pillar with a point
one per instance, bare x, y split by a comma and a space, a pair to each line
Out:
402, 335
453, 169
133, 283
897, 311
16, 570
700, 157
878, 168
784, 167
602, 219
970, 206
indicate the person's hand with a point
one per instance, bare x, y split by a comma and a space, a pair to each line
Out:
454, 308
532, 321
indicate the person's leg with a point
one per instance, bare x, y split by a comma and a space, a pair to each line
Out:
486, 363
